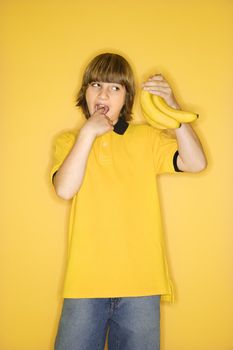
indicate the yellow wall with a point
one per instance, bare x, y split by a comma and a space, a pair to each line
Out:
46, 44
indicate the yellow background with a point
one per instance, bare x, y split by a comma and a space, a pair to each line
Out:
46, 44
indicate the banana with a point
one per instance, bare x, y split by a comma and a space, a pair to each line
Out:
150, 110
153, 122
180, 116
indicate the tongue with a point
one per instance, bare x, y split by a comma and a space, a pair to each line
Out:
105, 108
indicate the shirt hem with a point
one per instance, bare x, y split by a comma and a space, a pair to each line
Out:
164, 296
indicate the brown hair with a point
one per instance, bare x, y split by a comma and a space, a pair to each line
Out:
111, 68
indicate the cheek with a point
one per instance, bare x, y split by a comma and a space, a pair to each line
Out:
122, 99
87, 96
88, 101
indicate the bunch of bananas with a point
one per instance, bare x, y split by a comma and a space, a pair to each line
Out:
160, 115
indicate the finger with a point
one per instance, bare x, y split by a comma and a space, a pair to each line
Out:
99, 111
102, 112
157, 77
109, 120
102, 109
165, 90
155, 83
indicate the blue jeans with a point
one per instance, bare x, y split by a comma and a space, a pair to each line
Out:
133, 322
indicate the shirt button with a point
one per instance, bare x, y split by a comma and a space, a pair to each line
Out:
105, 144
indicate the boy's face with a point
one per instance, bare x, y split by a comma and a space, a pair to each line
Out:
108, 95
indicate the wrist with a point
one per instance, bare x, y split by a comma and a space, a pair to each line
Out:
87, 132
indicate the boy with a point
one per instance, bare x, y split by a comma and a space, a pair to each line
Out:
117, 270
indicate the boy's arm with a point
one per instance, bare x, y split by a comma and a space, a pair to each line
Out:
68, 179
191, 156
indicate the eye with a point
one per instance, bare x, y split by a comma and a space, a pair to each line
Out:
95, 84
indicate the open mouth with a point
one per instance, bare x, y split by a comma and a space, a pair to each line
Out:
99, 106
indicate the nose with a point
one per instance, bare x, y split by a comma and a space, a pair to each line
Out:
103, 93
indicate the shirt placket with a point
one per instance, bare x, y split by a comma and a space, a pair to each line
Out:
105, 155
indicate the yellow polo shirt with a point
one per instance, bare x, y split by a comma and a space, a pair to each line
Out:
116, 245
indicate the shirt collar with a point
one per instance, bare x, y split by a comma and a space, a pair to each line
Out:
121, 126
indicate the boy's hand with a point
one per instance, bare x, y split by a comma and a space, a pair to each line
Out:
98, 123
158, 85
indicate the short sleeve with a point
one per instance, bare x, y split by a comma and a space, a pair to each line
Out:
165, 153
62, 146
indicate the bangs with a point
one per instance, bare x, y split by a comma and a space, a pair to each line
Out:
109, 69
